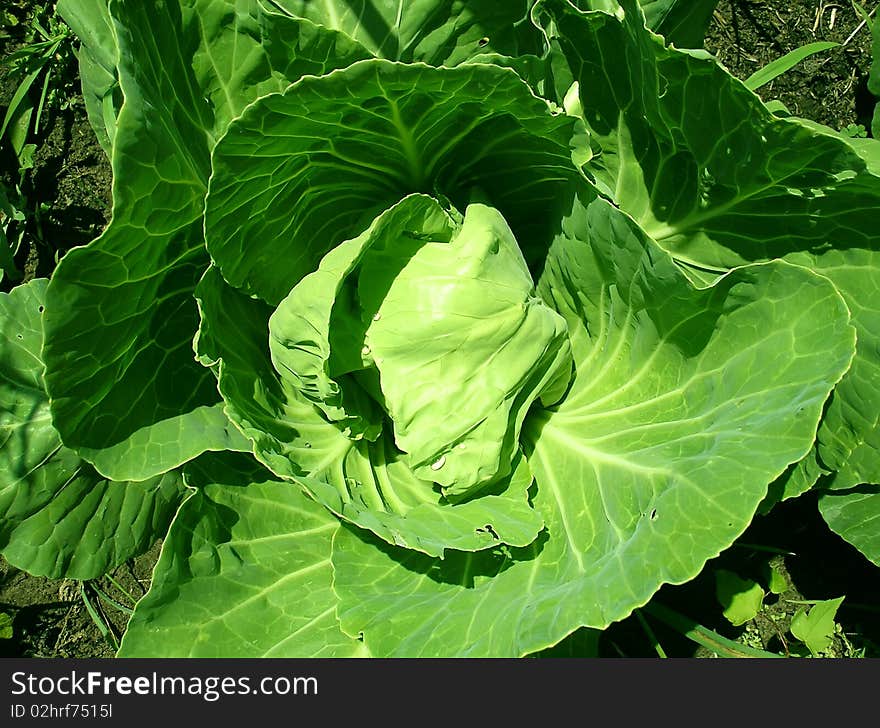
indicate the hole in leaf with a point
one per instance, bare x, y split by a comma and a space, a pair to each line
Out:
483, 42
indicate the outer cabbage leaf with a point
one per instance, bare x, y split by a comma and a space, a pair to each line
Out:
717, 180
126, 392
682, 22
685, 405
797, 480
244, 572
437, 32
369, 483
855, 516
58, 517
300, 172
91, 22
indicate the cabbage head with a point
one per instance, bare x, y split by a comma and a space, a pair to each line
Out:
435, 328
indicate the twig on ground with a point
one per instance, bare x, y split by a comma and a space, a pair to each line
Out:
858, 28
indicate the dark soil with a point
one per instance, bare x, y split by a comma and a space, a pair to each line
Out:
50, 618
72, 170
67, 199
830, 87
66, 193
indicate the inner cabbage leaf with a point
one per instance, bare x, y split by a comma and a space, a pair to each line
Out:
445, 337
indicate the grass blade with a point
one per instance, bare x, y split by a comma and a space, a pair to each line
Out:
655, 643
42, 104
17, 97
703, 636
776, 68
111, 601
863, 14
104, 628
